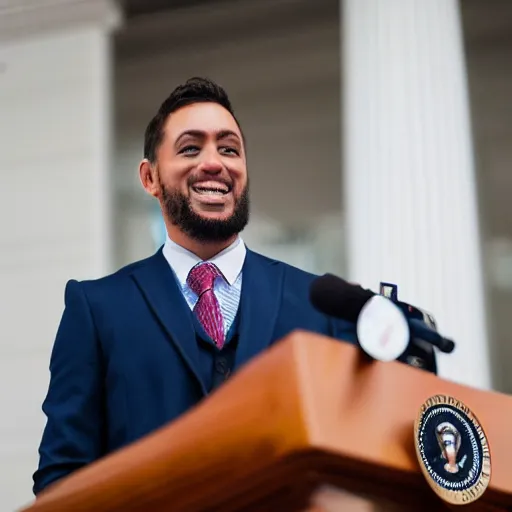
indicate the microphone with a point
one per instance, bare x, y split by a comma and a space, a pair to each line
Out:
336, 297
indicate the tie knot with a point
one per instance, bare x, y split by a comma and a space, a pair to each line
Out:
201, 277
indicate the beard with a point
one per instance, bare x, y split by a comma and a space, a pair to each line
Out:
179, 211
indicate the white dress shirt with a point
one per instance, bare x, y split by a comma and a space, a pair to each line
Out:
227, 290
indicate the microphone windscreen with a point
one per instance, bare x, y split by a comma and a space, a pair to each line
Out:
336, 297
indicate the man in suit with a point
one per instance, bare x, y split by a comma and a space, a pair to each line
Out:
136, 349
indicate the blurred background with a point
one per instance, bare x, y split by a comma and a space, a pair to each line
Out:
379, 148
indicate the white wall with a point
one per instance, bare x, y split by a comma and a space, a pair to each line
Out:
489, 55
54, 210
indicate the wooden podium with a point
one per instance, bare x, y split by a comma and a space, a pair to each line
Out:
308, 413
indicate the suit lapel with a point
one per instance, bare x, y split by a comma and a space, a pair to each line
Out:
262, 283
161, 291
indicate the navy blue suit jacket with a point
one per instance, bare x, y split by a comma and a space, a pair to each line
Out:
125, 359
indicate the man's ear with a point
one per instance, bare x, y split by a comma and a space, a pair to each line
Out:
148, 176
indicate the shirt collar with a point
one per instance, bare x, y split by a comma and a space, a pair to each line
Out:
229, 261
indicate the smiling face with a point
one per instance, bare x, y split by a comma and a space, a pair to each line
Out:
202, 155
199, 174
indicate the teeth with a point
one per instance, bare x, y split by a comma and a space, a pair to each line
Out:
209, 191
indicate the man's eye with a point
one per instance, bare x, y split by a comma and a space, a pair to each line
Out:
228, 150
187, 150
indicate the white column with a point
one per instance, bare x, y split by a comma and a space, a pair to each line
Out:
409, 181
54, 199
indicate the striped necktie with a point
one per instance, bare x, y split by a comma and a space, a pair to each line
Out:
207, 309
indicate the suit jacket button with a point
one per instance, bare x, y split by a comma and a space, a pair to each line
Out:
221, 366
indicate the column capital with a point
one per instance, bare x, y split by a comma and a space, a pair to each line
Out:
23, 18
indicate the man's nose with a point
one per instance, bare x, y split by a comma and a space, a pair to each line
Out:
211, 164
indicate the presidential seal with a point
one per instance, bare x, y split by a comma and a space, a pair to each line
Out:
452, 450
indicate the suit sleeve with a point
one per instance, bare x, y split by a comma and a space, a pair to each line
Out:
74, 432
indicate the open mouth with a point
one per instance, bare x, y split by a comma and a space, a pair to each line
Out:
211, 189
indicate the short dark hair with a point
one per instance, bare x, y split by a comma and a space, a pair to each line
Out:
194, 90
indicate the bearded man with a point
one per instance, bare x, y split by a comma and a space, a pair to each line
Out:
136, 349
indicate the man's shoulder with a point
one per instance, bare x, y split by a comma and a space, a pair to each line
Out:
292, 273
121, 275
